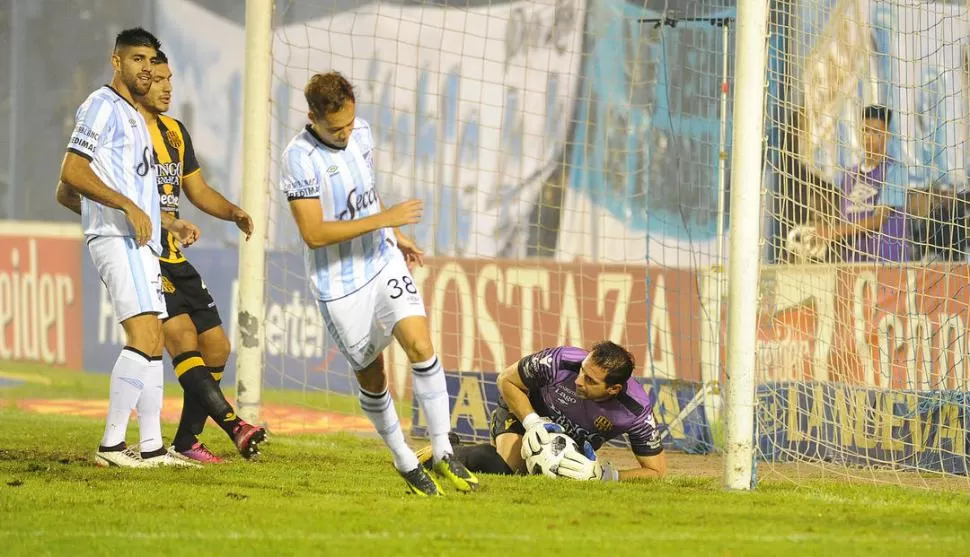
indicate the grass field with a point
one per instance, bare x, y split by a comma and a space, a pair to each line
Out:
338, 495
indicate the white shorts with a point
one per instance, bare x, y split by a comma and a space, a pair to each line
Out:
131, 275
362, 323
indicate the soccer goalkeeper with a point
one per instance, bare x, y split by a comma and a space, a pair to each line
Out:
590, 396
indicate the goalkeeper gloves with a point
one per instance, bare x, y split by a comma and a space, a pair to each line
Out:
584, 466
537, 430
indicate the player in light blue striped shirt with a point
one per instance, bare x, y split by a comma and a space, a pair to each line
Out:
358, 265
109, 162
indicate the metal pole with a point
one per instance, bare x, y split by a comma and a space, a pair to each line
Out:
16, 75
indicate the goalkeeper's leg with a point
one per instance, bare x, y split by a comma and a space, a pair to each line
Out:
480, 459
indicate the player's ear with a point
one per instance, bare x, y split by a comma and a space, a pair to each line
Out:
614, 390
116, 60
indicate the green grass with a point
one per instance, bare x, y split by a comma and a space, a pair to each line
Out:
338, 495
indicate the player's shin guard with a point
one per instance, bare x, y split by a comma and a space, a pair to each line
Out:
379, 408
198, 383
431, 390
127, 381
194, 415
150, 409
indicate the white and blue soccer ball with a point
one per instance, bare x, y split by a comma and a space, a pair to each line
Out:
543, 453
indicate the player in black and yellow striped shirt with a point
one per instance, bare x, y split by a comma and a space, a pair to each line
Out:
194, 336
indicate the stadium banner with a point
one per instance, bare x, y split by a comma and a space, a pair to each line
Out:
40, 293
642, 174
900, 328
474, 396
864, 426
485, 314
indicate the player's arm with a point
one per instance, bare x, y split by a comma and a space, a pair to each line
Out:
515, 393
516, 381
186, 232
76, 171
872, 223
318, 233
648, 449
204, 196
301, 184
68, 197
650, 467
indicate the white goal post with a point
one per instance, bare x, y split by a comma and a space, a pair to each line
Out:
257, 103
744, 241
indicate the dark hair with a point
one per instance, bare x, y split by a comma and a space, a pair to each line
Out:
327, 93
161, 58
877, 112
136, 36
616, 360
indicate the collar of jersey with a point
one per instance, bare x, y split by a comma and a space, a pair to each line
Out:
112, 89
309, 130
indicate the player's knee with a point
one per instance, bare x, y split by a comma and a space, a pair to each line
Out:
372, 378
419, 349
179, 340
215, 347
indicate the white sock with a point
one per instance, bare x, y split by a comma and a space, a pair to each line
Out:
431, 390
150, 407
379, 408
127, 382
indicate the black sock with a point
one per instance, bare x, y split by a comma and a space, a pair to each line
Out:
482, 458
194, 415
153, 454
202, 398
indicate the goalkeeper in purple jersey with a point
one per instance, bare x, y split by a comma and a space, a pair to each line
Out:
591, 396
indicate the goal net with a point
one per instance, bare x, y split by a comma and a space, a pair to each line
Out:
862, 346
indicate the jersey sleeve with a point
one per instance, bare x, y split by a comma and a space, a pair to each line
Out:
190, 164
644, 436
539, 369
298, 178
92, 122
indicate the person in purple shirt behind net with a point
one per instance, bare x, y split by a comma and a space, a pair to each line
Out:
591, 396
872, 199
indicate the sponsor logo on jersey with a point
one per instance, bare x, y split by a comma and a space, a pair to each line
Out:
602, 424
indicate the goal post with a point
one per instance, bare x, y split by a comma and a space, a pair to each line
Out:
257, 104
744, 260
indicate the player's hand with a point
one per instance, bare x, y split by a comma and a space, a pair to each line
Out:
243, 221
412, 254
404, 213
140, 222
581, 466
185, 232
537, 433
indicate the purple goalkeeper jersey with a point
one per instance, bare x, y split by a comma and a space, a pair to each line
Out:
550, 376
862, 191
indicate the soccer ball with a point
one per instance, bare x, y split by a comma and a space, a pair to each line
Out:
543, 458
805, 244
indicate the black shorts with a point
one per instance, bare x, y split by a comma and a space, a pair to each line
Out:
185, 293
503, 420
